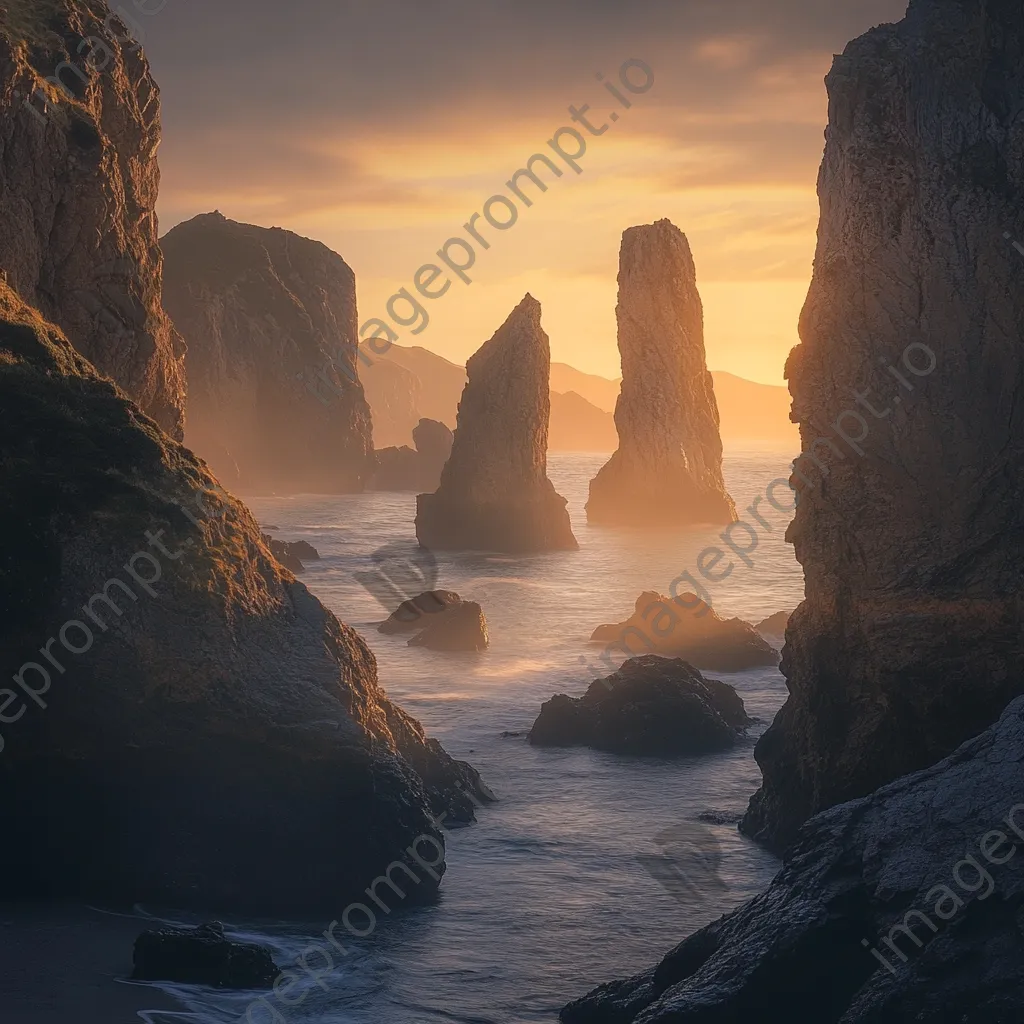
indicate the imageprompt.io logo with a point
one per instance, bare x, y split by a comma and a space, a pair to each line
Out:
688, 862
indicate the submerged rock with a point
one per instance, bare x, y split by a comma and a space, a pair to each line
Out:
774, 625
415, 469
651, 706
462, 627
495, 494
78, 191
904, 905
906, 385
668, 466
688, 628
270, 320
202, 956
414, 614
213, 736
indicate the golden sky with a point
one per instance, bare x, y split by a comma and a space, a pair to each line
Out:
380, 128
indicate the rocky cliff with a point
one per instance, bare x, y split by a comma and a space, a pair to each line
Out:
199, 729
270, 322
78, 188
906, 386
901, 906
495, 494
668, 467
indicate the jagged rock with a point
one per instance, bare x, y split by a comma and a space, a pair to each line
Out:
270, 322
911, 635
774, 625
78, 188
495, 494
205, 701
688, 628
460, 627
413, 614
419, 469
202, 956
668, 466
890, 866
651, 706
291, 553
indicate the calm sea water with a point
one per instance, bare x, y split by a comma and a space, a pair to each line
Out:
591, 866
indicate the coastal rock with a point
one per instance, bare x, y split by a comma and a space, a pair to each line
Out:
461, 627
668, 466
651, 706
495, 494
415, 469
202, 956
910, 533
413, 614
213, 736
904, 905
78, 189
291, 553
275, 403
686, 627
774, 625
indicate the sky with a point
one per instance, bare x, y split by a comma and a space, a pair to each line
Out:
380, 127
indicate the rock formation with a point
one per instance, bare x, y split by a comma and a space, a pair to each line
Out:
686, 627
668, 467
415, 469
291, 553
906, 385
462, 627
652, 707
413, 614
495, 494
270, 322
774, 625
900, 906
78, 188
200, 730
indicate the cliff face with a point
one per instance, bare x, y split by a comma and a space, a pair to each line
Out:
910, 637
199, 728
668, 467
78, 188
495, 494
270, 322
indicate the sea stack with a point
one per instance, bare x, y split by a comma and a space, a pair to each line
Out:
78, 189
270, 321
495, 494
906, 385
667, 470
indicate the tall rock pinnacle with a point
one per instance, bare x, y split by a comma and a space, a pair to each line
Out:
270, 322
495, 494
668, 468
911, 536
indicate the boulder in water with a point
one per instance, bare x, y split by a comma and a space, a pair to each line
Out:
460, 627
414, 614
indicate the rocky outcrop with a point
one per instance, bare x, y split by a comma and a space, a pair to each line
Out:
461, 627
686, 627
202, 956
904, 905
291, 553
906, 385
78, 188
652, 706
270, 322
415, 469
774, 625
495, 494
200, 729
412, 615
668, 466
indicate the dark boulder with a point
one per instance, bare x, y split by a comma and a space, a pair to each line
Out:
413, 614
462, 627
291, 553
656, 706
202, 956
415, 469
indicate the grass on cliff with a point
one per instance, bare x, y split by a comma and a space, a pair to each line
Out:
35, 22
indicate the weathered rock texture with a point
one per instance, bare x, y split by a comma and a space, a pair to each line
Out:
652, 706
495, 494
462, 627
910, 637
668, 467
686, 627
78, 188
414, 614
218, 738
270, 322
896, 866
415, 469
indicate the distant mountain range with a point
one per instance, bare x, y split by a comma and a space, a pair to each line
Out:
412, 382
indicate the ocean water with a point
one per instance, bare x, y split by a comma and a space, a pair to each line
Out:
590, 866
